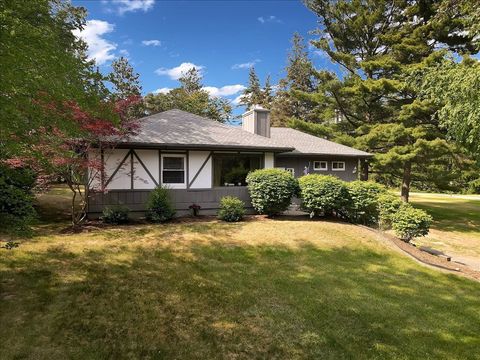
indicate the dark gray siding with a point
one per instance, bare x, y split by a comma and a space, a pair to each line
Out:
208, 199
298, 163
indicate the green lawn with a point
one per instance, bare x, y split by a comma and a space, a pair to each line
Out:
456, 227
280, 289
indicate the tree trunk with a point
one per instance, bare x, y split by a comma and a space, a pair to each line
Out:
407, 172
363, 165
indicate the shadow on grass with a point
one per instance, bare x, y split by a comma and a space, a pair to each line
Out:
218, 301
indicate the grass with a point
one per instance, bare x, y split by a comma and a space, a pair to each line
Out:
210, 290
456, 227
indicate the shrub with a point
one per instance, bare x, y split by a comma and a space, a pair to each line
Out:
16, 200
388, 205
409, 223
323, 195
232, 209
271, 190
363, 204
116, 214
159, 206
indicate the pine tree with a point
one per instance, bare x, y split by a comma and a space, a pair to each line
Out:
253, 94
299, 77
378, 45
126, 86
267, 94
191, 81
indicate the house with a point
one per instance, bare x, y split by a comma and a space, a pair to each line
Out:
201, 160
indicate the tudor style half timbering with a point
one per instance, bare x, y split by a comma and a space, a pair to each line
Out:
201, 160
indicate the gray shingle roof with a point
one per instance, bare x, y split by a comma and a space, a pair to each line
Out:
177, 128
311, 145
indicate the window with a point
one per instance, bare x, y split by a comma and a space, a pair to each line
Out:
291, 170
338, 165
173, 170
320, 165
232, 169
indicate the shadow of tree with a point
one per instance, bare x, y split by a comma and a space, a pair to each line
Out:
221, 300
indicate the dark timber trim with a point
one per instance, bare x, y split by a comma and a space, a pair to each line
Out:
143, 165
116, 170
200, 170
131, 170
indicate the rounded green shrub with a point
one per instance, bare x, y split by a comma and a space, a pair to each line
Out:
363, 205
388, 206
232, 209
115, 214
159, 206
271, 190
409, 223
324, 195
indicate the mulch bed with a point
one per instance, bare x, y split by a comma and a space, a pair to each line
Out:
432, 260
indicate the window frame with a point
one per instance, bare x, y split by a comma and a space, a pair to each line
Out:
215, 155
182, 185
339, 162
320, 168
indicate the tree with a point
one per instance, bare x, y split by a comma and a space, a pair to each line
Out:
252, 95
126, 85
378, 45
190, 97
40, 56
299, 77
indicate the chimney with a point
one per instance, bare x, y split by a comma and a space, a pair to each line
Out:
257, 121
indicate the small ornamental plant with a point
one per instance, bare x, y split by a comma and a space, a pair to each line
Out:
115, 214
232, 209
159, 206
409, 223
195, 209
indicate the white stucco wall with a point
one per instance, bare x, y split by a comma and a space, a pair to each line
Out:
112, 159
141, 178
269, 160
204, 178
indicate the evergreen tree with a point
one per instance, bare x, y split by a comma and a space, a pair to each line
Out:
190, 97
379, 44
299, 77
253, 94
267, 94
191, 81
126, 85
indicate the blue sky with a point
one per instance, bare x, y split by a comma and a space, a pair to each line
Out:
222, 38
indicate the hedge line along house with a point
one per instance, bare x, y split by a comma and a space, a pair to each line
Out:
201, 160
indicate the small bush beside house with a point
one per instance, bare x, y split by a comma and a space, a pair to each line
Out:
324, 195
271, 190
232, 209
363, 207
116, 214
159, 206
409, 223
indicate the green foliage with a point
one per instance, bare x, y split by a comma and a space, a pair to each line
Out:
271, 190
16, 200
380, 44
254, 94
115, 214
190, 97
388, 206
159, 206
364, 200
409, 223
474, 186
38, 37
232, 209
324, 195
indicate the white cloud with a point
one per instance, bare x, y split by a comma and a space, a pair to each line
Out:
124, 6
236, 101
124, 53
226, 90
246, 65
176, 72
269, 19
162, 90
99, 48
151, 42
